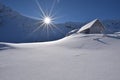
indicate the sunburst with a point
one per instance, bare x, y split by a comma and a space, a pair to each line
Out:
47, 21
47, 18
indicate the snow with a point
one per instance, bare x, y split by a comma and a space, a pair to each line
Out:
87, 25
72, 32
76, 57
16, 28
112, 26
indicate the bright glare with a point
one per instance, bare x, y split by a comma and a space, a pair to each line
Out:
47, 20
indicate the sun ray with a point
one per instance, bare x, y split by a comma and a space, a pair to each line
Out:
47, 32
40, 7
58, 29
46, 23
52, 7
58, 1
38, 27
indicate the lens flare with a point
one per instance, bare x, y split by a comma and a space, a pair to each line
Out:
46, 23
47, 20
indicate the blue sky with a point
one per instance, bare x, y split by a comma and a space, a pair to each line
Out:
69, 10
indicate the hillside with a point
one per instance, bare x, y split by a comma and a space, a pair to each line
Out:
76, 57
16, 28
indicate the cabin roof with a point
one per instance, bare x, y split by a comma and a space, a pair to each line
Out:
89, 25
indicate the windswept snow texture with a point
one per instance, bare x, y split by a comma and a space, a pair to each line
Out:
76, 57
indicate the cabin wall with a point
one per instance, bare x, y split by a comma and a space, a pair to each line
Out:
96, 28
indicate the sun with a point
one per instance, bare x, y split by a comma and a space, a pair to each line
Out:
47, 20
47, 17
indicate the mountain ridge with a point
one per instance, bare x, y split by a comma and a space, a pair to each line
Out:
17, 28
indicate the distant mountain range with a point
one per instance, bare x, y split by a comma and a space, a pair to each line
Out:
17, 28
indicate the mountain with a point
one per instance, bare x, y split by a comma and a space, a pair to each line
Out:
111, 26
76, 57
17, 28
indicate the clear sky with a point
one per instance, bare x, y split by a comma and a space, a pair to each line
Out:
69, 10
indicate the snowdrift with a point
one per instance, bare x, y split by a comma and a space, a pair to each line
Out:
76, 57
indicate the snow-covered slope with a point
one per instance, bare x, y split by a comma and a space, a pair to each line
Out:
76, 57
13, 26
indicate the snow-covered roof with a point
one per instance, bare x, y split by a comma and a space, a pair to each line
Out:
87, 26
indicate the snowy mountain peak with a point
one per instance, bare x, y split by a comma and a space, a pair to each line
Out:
4, 8
6, 11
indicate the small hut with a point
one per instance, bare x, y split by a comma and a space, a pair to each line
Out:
93, 27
